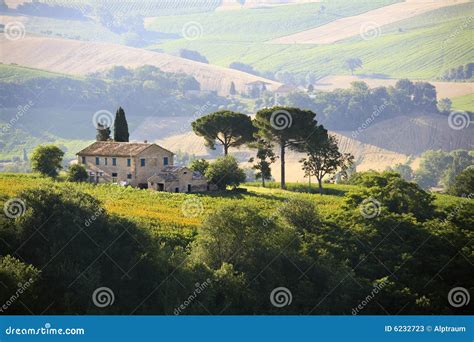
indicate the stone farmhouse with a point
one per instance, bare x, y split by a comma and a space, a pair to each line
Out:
142, 165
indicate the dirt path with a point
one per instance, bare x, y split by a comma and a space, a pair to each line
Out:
366, 24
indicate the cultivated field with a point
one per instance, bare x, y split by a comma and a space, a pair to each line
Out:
80, 58
350, 26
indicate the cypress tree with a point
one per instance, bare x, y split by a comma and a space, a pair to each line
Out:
120, 126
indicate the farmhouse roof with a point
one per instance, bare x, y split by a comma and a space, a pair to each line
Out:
113, 148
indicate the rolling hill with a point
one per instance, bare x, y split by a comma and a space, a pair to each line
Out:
81, 58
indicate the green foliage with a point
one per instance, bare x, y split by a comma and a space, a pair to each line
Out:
404, 170
120, 126
77, 173
441, 168
289, 128
329, 256
199, 165
324, 159
266, 157
103, 132
225, 172
391, 193
18, 284
301, 214
228, 128
47, 160
463, 184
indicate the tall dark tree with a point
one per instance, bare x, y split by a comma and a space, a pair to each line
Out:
232, 90
120, 126
103, 132
228, 128
289, 128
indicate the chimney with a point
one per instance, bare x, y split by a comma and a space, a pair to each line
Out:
145, 141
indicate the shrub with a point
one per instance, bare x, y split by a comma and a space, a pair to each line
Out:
77, 173
225, 172
463, 184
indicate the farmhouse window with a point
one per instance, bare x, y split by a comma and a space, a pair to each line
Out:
105, 161
165, 161
129, 162
97, 160
142, 162
114, 161
83, 160
129, 176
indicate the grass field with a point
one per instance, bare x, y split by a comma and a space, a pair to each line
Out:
421, 47
16, 73
465, 102
163, 212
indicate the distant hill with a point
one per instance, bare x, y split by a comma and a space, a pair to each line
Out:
80, 58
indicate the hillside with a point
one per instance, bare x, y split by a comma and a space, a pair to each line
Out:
80, 58
372, 20
420, 47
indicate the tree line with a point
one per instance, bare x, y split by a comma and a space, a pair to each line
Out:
279, 128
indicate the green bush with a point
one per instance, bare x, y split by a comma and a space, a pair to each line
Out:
225, 172
77, 173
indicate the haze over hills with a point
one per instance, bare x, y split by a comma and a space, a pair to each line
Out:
229, 44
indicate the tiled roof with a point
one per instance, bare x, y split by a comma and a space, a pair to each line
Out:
112, 148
